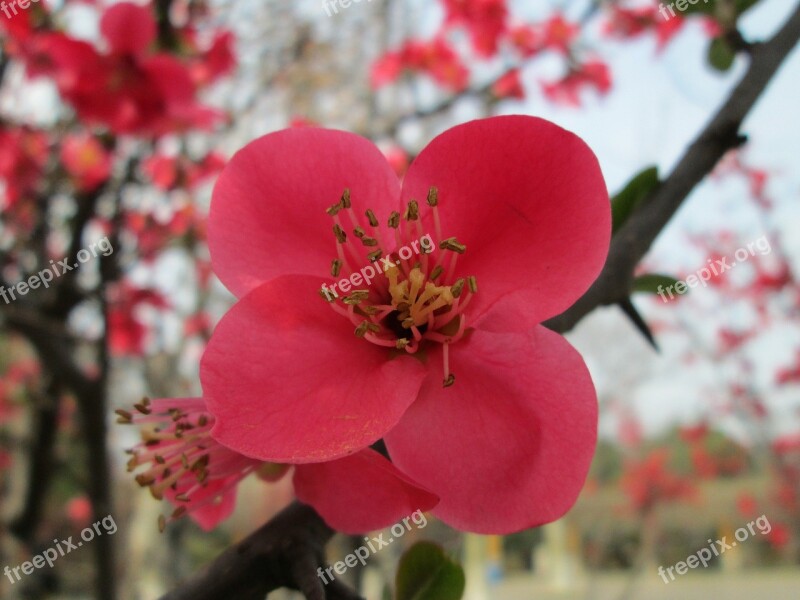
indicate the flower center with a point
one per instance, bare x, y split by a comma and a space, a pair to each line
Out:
404, 299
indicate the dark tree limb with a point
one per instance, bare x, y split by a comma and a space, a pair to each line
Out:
282, 552
286, 552
42, 463
722, 134
55, 350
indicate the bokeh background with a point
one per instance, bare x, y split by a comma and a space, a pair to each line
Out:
698, 438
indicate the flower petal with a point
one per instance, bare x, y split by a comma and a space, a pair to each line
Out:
268, 209
289, 382
211, 504
509, 445
128, 28
529, 201
360, 493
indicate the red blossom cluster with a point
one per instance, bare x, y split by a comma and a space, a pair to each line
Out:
713, 455
156, 230
168, 172
486, 21
494, 31
86, 160
651, 481
627, 23
491, 28
790, 374
130, 81
436, 58
23, 155
783, 494
127, 334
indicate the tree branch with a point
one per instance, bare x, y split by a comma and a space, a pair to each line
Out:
285, 552
42, 462
633, 241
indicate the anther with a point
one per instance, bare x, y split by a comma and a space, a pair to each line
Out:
437, 271
373, 221
412, 211
374, 256
341, 236
357, 297
346, 198
125, 418
394, 219
457, 288
452, 244
359, 232
451, 379
369, 241
366, 326
472, 281
433, 197
336, 267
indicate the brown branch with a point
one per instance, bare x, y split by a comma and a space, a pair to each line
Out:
285, 550
55, 350
633, 241
42, 463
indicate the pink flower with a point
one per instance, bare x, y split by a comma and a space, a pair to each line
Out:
211, 64
397, 158
168, 172
527, 39
127, 334
476, 401
746, 504
79, 511
790, 374
199, 476
779, 536
130, 87
591, 74
651, 481
86, 160
23, 154
559, 34
435, 58
485, 20
629, 23
509, 86
556, 34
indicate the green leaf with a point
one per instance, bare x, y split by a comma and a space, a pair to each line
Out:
721, 54
626, 201
743, 5
426, 573
650, 283
701, 7
710, 8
